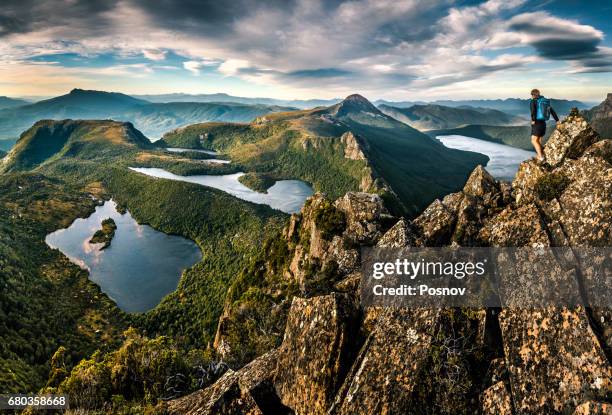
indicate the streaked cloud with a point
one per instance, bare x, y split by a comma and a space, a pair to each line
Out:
302, 48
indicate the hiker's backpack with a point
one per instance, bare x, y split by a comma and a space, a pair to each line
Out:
543, 109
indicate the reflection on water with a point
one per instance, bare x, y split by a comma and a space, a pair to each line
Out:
286, 195
504, 160
140, 266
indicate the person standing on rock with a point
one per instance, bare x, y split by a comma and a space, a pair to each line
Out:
540, 113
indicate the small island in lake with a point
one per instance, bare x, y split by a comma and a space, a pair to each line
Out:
106, 234
258, 182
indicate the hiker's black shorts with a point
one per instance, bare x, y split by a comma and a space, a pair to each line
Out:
539, 128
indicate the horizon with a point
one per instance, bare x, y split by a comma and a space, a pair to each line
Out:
302, 50
34, 99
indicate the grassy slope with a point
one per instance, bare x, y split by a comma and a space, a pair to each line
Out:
515, 136
283, 148
50, 140
45, 301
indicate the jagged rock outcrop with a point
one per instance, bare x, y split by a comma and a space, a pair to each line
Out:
338, 358
315, 352
570, 139
352, 146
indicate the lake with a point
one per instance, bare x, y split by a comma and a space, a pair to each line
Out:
285, 195
504, 160
141, 265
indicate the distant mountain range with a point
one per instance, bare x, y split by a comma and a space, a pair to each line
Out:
513, 106
297, 103
152, 119
432, 116
6, 102
155, 115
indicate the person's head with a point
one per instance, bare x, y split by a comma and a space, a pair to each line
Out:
535, 93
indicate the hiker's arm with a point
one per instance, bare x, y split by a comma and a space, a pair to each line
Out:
554, 114
533, 110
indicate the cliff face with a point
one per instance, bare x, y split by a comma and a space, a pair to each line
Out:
600, 117
338, 358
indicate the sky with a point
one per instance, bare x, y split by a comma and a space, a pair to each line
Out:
300, 49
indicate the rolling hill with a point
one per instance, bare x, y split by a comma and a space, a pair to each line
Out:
151, 119
348, 146
432, 117
49, 140
600, 117
6, 102
515, 136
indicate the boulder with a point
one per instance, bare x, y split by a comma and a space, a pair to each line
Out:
554, 359
315, 351
435, 225
569, 140
470, 218
399, 236
452, 201
366, 216
602, 148
480, 183
516, 227
496, 400
593, 408
524, 183
393, 359
586, 203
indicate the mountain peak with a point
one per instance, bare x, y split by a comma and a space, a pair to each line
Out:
353, 104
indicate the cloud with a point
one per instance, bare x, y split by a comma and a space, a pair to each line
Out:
154, 54
557, 39
319, 73
318, 46
196, 66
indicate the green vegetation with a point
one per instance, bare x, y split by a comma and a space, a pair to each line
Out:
329, 220
257, 181
48, 140
551, 186
516, 136
135, 375
75, 315
46, 302
106, 234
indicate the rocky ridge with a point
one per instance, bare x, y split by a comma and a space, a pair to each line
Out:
337, 358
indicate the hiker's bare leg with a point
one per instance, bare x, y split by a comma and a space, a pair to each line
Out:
535, 141
541, 146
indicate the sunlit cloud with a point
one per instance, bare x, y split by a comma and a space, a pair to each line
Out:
293, 49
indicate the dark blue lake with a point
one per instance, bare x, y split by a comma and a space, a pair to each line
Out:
141, 265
